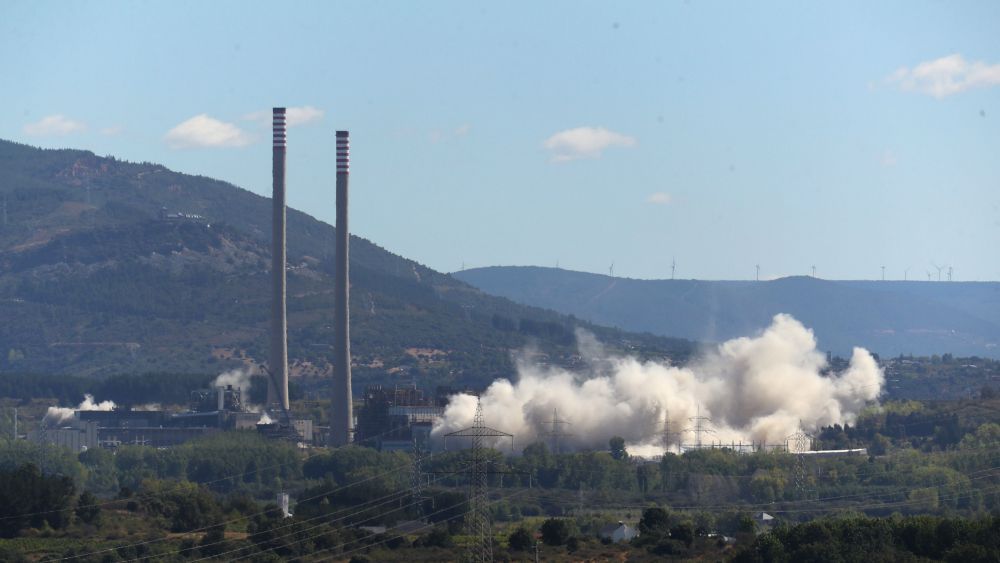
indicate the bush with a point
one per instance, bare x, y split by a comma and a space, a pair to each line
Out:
555, 531
520, 539
87, 509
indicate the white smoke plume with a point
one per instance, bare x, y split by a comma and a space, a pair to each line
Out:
265, 419
239, 378
761, 389
55, 416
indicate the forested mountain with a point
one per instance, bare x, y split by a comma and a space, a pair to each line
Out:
116, 267
890, 318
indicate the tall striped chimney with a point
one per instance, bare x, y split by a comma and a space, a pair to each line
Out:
341, 415
278, 360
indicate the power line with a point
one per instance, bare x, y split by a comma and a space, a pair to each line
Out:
479, 522
389, 498
556, 432
242, 517
502, 498
181, 483
699, 427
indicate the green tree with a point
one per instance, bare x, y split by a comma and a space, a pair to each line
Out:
29, 498
520, 539
654, 522
555, 531
617, 446
87, 508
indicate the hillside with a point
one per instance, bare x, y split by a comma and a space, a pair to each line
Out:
889, 318
95, 279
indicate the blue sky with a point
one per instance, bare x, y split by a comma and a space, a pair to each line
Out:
846, 136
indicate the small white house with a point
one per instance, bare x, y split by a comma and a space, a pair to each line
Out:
764, 522
619, 532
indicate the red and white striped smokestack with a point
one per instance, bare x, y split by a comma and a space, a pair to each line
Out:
278, 359
342, 415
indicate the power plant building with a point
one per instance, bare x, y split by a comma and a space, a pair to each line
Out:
399, 418
211, 411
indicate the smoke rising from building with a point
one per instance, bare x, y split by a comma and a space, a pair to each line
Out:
239, 378
761, 389
55, 416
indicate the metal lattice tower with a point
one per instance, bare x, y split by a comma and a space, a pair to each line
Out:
417, 479
700, 428
556, 432
798, 444
668, 435
479, 522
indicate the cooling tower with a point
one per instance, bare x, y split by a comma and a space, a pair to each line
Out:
278, 359
341, 415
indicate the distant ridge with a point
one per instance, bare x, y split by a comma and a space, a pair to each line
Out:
889, 318
111, 267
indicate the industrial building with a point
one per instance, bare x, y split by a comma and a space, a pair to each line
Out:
210, 411
400, 417
395, 420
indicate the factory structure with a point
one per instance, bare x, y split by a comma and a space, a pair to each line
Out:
389, 418
209, 411
341, 430
399, 417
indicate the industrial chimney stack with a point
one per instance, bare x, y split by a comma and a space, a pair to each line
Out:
278, 361
341, 415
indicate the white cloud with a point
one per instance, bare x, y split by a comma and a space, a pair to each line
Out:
440, 135
887, 159
659, 198
303, 115
294, 116
112, 131
204, 131
584, 142
946, 76
54, 125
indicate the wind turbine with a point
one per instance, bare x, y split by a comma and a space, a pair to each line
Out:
949, 273
883, 273
814, 270
905, 273
758, 272
611, 270
673, 267
939, 268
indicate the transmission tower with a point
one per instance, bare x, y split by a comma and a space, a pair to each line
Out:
555, 432
798, 444
417, 479
668, 436
479, 523
699, 428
